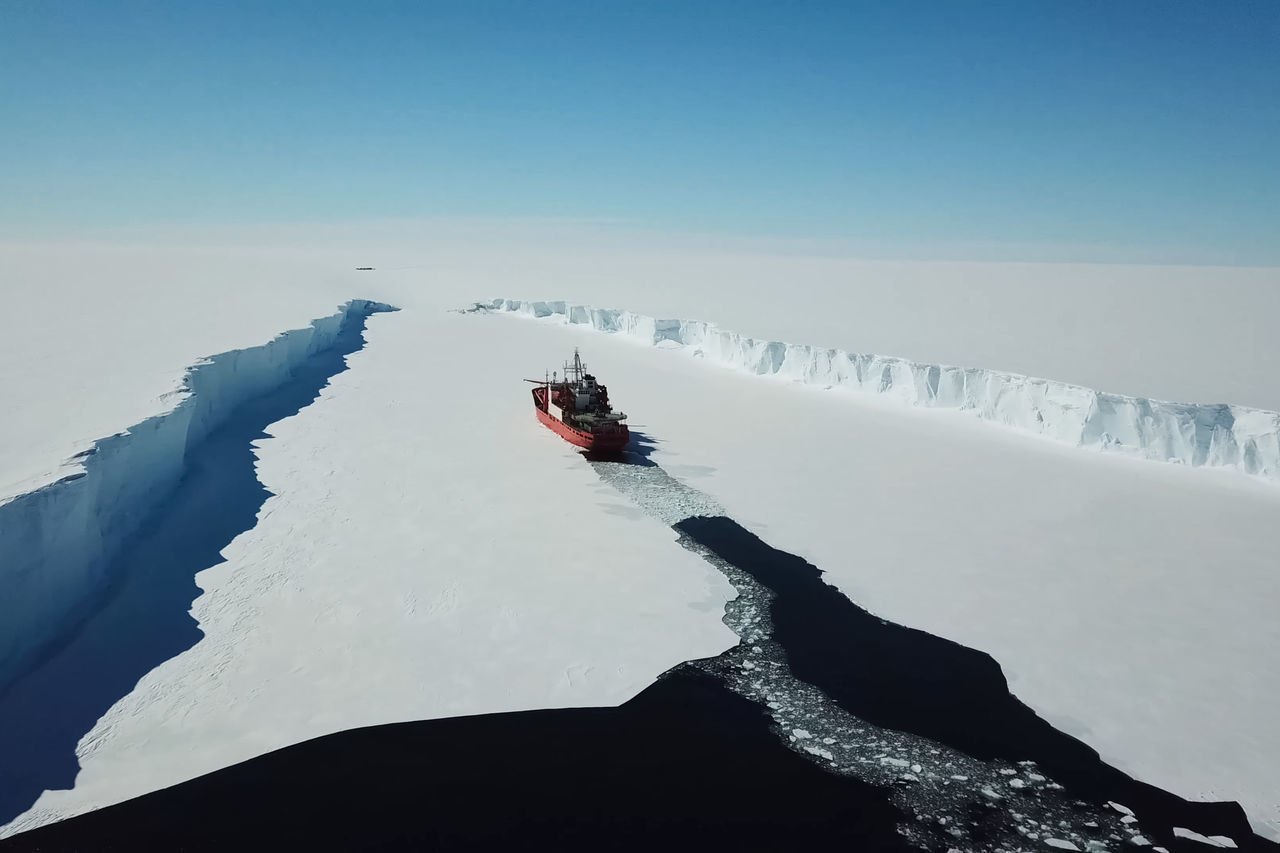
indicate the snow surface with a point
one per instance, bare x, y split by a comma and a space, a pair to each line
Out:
1130, 604
1197, 434
136, 315
56, 541
1204, 334
419, 560
98, 337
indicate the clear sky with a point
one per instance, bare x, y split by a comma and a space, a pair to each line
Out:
1148, 125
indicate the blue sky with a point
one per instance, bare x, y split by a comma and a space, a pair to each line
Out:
1152, 126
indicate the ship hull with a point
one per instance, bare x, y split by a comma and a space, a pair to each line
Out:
615, 440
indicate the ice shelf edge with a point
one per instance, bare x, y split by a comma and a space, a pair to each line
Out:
57, 541
1217, 435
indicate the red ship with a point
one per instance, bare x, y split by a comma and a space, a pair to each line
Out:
577, 409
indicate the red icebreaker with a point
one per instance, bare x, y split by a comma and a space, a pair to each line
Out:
577, 409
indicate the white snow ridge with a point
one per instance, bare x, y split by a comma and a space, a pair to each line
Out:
56, 541
1218, 435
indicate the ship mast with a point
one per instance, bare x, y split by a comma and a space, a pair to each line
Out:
577, 369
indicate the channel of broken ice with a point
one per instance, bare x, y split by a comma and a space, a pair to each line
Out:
949, 798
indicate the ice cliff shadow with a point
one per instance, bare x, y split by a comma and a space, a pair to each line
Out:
908, 680
144, 619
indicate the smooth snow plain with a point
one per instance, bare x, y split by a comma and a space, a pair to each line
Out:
430, 552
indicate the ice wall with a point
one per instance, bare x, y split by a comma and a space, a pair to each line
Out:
1215, 435
57, 542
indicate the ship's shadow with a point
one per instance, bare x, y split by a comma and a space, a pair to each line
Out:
144, 619
637, 452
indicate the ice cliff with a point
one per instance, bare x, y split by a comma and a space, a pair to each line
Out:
57, 542
1216, 435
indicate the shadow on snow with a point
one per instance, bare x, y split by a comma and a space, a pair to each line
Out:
686, 764
637, 452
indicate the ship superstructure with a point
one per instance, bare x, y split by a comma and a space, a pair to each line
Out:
576, 406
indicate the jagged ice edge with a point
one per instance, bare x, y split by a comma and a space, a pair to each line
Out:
1219, 435
57, 541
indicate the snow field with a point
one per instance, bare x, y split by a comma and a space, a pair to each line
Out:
924, 516
100, 337
1129, 604
1220, 436
430, 551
